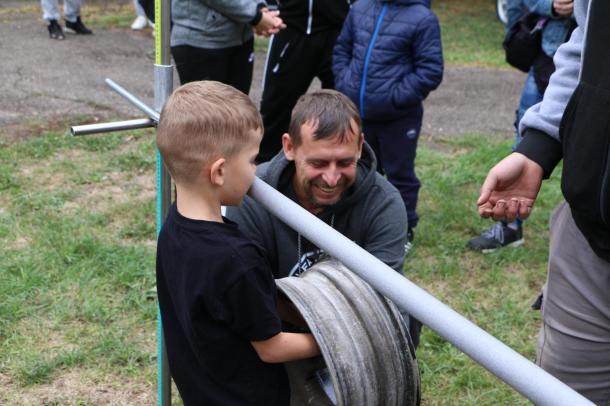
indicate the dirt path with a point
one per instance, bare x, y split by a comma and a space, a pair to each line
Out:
49, 79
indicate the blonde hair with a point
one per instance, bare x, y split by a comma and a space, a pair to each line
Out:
203, 120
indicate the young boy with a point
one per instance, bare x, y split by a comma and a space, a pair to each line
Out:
216, 293
387, 59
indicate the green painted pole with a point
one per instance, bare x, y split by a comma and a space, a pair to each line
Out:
163, 88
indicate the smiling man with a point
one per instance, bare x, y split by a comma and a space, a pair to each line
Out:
326, 167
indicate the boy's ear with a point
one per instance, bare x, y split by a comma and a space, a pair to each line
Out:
217, 172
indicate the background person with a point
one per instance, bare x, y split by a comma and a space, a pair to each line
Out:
572, 123
297, 55
387, 59
213, 40
74, 25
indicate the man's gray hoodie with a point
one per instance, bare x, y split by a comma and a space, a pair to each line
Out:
371, 213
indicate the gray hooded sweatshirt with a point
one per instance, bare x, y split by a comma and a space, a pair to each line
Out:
212, 24
371, 213
540, 124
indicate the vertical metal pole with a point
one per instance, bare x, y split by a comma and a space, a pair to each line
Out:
163, 88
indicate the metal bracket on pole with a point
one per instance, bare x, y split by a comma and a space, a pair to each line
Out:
151, 121
136, 124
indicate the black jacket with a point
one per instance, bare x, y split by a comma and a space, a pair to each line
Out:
311, 16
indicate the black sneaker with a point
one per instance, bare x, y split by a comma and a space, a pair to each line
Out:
77, 27
497, 236
409, 244
55, 31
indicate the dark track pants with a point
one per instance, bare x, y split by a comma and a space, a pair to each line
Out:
293, 60
232, 66
395, 145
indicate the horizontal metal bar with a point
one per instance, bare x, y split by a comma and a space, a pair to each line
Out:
97, 128
150, 112
527, 378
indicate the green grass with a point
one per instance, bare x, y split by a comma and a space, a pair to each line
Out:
77, 263
494, 290
77, 266
471, 33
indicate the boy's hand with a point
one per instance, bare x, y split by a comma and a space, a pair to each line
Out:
269, 24
510, 189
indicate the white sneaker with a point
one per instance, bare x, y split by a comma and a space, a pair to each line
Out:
139, 23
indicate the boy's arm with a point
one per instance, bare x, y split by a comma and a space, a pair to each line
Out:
249, 307
284, 347
428, 64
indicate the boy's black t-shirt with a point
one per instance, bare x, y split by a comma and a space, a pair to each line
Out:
216, 294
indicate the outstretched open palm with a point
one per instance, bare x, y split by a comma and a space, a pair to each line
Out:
510, 189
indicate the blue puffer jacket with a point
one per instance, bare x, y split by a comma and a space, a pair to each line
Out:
388, 57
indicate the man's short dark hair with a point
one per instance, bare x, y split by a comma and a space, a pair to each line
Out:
329, 112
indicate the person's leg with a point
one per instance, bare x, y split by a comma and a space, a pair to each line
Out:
326, 43
530, 95
502, 234
370, 131
74, 25
141, 21
574, 340
72, 10
138, 8
398, 145
50, 9
201, 64
288, 74
50, 12
240, 66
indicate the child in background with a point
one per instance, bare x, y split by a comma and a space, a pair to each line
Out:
216, 292
387, 59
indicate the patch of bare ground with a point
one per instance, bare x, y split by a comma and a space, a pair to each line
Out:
115, 188
18, 243
30, 128
118, 188
80, 387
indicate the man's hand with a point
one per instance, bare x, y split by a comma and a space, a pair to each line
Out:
269, 24
563, 8
510, 189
